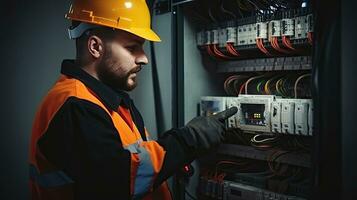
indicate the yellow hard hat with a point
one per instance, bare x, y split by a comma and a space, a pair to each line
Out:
132, 16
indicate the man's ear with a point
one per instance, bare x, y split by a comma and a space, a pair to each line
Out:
95, 46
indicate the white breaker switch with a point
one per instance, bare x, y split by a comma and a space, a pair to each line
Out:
274, 28
301, 117
262, 30
287, 116
231, 102
200, 38
207, 38
275, 116
301, 27
215, 36
231, 34
287, 27
222, 37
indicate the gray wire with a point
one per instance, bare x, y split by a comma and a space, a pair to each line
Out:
211, 16
226, 11
255, 5
190, 195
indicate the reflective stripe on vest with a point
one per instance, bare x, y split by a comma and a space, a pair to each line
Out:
145, 173
51, 179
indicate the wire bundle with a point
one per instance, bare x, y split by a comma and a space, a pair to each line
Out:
230, 49
232, 83
287, 43
284, 85
261, 47
275, 44
213, 51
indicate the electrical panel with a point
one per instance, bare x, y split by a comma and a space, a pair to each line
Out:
263, 51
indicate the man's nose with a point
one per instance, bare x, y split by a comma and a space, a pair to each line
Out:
142, 59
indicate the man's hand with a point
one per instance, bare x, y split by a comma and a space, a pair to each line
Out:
208, 132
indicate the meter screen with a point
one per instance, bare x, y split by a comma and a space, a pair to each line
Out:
253, 114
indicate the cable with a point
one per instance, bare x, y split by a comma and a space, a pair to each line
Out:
272, 160
261, 47
211, 16
242, 7
278, 85
227, 83
214, 52
287, 43
268, 139
284, 89
239, 9
230, 48
238, 82
255, 5
236, 163
274, 43
258, 86
310, 38
226, 11
241, 89
190, 195
297, 81
267, 84
249, 80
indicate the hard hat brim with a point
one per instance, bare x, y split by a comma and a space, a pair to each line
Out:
147, 34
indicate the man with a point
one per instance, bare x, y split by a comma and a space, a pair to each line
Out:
88, 139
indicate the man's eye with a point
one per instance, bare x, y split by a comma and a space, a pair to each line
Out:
131, 48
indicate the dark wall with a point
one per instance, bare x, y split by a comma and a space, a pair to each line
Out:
349, 98
33, 43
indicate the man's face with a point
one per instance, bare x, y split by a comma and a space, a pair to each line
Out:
122, 60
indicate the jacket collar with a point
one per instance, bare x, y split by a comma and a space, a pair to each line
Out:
110, 97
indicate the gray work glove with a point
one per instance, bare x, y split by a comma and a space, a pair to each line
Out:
207, 132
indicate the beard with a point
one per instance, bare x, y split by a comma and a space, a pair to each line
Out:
112, 74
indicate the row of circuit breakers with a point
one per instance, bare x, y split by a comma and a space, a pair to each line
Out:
294, 28
227, 190
264, 113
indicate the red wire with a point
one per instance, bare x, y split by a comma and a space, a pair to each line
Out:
287, 43
211, 51
241, 88
310, 37
217, 52
261, 47
230, 48
275, 45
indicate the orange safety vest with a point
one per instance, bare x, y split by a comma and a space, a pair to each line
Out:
47, 182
